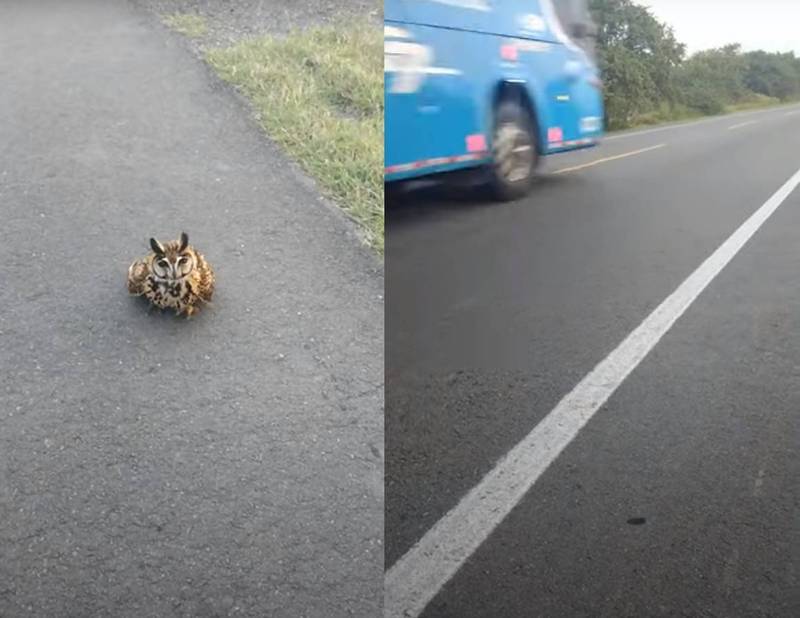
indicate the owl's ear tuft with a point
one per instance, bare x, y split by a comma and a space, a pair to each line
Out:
184, 242
157, 247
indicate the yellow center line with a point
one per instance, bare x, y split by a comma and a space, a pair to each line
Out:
742, 124
606, 159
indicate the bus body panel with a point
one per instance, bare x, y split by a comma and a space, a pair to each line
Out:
446, 61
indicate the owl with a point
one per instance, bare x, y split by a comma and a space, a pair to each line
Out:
174, 276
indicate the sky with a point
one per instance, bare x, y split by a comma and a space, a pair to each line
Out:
771, 25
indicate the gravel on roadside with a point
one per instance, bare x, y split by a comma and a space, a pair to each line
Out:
229, 21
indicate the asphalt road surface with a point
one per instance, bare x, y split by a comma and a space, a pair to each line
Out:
228, 465
680, 496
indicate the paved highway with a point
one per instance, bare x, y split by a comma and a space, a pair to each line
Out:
561, 443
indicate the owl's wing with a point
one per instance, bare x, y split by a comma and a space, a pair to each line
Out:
137, 275
205, 283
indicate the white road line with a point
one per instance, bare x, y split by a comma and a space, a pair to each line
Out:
792, 113
413, 581
741, 124
700, 121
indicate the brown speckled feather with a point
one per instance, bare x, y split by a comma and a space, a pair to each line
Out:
137, 275
203, 280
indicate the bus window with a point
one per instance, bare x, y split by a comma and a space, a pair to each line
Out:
577, 23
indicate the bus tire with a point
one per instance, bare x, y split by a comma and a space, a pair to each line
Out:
515, 155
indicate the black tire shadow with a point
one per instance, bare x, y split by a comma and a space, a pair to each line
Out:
413, 201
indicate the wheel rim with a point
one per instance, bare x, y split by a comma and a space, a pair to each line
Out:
513, 152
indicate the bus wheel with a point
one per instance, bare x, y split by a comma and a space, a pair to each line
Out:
513, 151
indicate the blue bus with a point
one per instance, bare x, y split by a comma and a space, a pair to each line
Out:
493, 84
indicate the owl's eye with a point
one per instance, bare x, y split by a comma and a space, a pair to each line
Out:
163, 263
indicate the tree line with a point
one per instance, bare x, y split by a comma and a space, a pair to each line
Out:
648, 76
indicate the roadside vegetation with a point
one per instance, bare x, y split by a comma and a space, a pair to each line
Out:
319, 94
193, 26
650, 79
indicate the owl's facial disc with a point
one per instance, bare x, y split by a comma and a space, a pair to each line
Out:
183, 265
172, 265
162, 268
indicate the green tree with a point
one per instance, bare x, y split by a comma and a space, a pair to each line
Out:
711, 79
773, 75
638, 55
647, 76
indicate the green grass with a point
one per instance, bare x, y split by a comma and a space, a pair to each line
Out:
666, 114
193, 26
319, 94
755, 101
